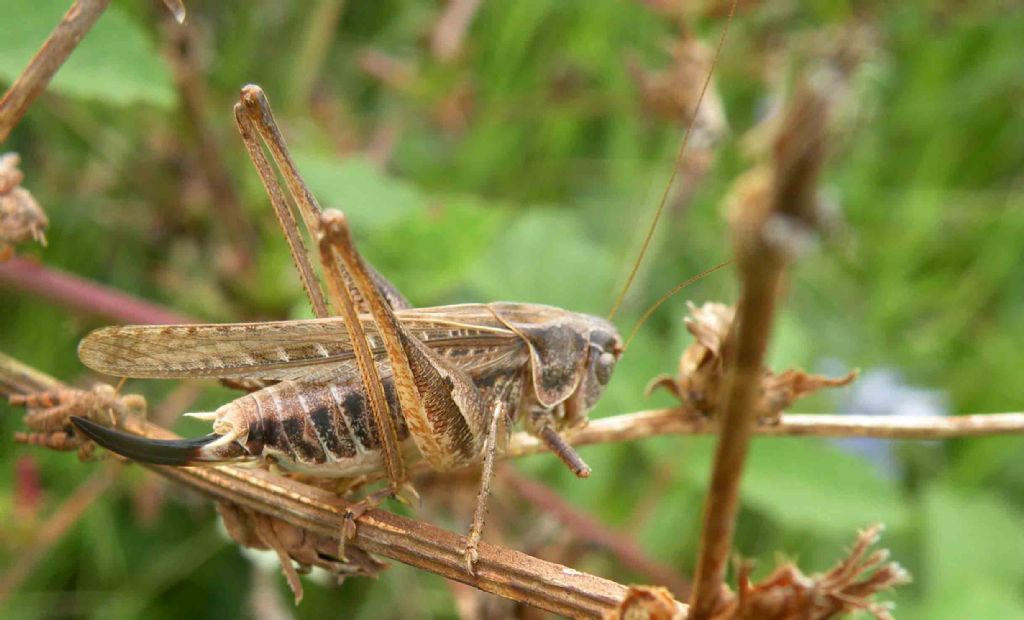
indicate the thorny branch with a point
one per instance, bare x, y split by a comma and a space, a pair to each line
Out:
44, 65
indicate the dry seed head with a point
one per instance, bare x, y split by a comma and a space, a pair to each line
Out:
702, 371
672, 93
787, 594
21, 217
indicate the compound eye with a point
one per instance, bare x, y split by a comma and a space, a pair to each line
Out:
605, 365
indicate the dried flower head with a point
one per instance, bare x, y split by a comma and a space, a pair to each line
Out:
21, 217
672, 93
702, 372
788, 594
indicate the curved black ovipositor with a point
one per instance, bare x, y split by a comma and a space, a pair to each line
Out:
143, 449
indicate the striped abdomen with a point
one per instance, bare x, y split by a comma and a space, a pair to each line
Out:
319, 428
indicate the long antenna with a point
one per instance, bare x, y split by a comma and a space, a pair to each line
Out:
675, 167
668, 295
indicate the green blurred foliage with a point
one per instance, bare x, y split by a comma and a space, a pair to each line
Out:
117, 65
539, 191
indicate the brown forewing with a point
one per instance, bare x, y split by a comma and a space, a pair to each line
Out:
307, 350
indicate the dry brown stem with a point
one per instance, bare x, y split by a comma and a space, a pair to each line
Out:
320, 515
660, 422
511, 574
44, 65
773, 211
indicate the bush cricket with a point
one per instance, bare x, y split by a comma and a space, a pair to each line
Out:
375, 387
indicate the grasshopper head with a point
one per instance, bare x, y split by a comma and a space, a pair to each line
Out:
604, 347
572, 357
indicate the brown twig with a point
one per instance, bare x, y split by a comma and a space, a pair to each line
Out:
774, 208
78, 294
504, 572
507, 573
660, 422
586, 528
44, 65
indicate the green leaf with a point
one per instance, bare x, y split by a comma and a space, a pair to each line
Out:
971, 535
371, 199
433, 251
808, 485
115, 63
425, 245
545, 256
975, 598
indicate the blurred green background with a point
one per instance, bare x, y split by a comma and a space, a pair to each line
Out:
525, 168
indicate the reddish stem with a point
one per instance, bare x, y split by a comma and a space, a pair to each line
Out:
81, 295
